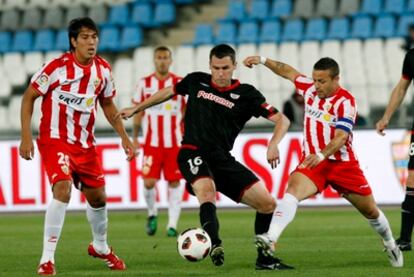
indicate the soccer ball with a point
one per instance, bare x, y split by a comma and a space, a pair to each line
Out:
194, 244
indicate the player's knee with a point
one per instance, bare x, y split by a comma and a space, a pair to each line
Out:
174, 184
371, 212
149, 184
267, 207
62, 191
410, 180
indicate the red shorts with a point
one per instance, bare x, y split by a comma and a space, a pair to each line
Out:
344, 177
157, 159
64, 161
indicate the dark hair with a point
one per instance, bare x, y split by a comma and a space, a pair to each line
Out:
327, 64
75, 25
223, 50
162, 48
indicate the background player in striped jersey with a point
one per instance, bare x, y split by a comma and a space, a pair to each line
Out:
328, 156
397, 96
162, 131
217, 109
70, 87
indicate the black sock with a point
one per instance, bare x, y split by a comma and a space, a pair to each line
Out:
261, 225
407, 215
209, 222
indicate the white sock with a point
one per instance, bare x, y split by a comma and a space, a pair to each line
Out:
98, 218
174, 206
283, 215
149, 195
54, 218
382, 227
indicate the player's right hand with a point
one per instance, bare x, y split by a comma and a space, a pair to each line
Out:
26, 149
125, 113
252, 60
381, 125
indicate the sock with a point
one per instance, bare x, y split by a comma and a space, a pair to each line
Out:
98, 218
209, 222
174, 206
54, 218
382, 227
407, 215
149, 195
261, 225
283, 215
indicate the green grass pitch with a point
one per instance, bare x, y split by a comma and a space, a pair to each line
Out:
320, 242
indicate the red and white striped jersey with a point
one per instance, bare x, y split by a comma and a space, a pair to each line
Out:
70, 92
161, 124
323, 116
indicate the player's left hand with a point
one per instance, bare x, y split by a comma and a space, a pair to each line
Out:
129, 149
125, 113
310, 161
273, 155
252, 60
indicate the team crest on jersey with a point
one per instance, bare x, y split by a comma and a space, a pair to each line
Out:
327, 106
65, 169
42, 80
194, 170
400, 150
89, 102
234, 96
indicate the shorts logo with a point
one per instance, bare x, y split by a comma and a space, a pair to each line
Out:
65, 169
194, 170
147, 165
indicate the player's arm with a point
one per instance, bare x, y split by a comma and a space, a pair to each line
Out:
26, 148
110, 112
397, 96
281, 126
136, 126
284, 70
155, 99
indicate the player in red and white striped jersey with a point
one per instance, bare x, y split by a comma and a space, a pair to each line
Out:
162, 132
70, 87
328, 158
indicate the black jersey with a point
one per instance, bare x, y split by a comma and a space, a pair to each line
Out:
408, 66
215, 116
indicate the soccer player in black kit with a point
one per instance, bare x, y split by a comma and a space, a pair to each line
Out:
397, 96
218, 107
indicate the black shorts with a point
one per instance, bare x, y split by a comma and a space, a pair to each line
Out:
411, 150
230, 177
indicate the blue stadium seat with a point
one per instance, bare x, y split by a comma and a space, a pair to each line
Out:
22, 41
403, 23
410, 6
203, 34
109, 39
5, 42
226, 33
385, 27
259, 9
44, 40
248, 32
62, 40
293, 30
270, 31
142, 13
119, 15
131, 37
184, 2
281, 8
316, 29
362, 27
165, 13
371, 7
338, 28
236, 10
394, 6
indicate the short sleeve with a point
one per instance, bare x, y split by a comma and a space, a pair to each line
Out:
138, 96
302, 84
109, 90
182, 87
45, 77
346, 115
259, 106
408, 66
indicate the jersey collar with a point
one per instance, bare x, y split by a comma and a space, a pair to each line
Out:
235, 84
